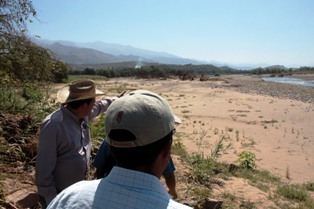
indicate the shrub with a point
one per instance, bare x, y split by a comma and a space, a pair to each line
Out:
247, 160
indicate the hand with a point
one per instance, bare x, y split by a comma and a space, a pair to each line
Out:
173, 194
120, 95
111, 99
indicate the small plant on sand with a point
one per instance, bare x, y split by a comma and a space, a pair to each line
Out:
216, 131
200, 140
247, 160
288, 173
237, 135
220, 148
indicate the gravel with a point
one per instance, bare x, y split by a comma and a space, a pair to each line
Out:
255, 85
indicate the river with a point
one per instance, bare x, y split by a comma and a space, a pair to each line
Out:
294, 81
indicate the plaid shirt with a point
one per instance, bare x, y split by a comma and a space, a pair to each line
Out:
122, 188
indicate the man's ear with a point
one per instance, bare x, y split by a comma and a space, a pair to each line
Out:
167, 150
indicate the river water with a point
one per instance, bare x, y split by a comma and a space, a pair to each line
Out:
294, 81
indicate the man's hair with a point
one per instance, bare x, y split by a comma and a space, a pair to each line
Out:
76, 104
137, 156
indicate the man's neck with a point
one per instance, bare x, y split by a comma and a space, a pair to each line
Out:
75, 112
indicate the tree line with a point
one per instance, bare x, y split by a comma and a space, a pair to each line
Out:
282, 71
163, 71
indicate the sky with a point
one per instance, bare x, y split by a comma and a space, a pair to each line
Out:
238, 32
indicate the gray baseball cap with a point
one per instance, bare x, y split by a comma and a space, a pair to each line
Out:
145, 114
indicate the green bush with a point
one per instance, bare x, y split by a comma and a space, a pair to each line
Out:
247, 160
32, 93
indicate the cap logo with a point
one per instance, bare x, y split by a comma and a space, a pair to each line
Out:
119, 116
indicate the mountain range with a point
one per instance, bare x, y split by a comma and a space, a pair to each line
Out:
99, 55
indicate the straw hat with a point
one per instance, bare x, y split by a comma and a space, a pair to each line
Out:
78, 90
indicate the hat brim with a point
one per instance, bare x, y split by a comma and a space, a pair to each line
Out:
63, 95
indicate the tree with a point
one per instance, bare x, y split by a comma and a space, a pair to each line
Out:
13, 17
89, 71
20, 58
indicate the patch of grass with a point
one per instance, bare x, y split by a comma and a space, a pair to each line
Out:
261, 186
243, 111
97, 132
293, 192
204, 169
10, 100
200, 194
309, 186
269, 121
247, 204
248, 142
257, 176
92, 77
179, 149
229, 196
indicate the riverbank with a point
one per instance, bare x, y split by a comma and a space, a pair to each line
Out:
255, 85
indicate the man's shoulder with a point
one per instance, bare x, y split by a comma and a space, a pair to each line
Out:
80, 194
54, 117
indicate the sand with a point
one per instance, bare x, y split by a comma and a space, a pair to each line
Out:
279, 131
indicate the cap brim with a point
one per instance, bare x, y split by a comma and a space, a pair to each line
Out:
177, 120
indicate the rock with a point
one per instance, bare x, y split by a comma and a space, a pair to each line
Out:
7, 205
212, 204
23, 199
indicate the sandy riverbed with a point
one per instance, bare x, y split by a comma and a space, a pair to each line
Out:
274, 121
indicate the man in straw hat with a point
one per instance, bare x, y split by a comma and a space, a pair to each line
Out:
139, 128
64, 144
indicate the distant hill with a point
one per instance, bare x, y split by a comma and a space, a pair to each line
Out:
104, 53
74, 55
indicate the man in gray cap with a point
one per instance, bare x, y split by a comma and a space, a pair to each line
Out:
139, 128
64, 145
